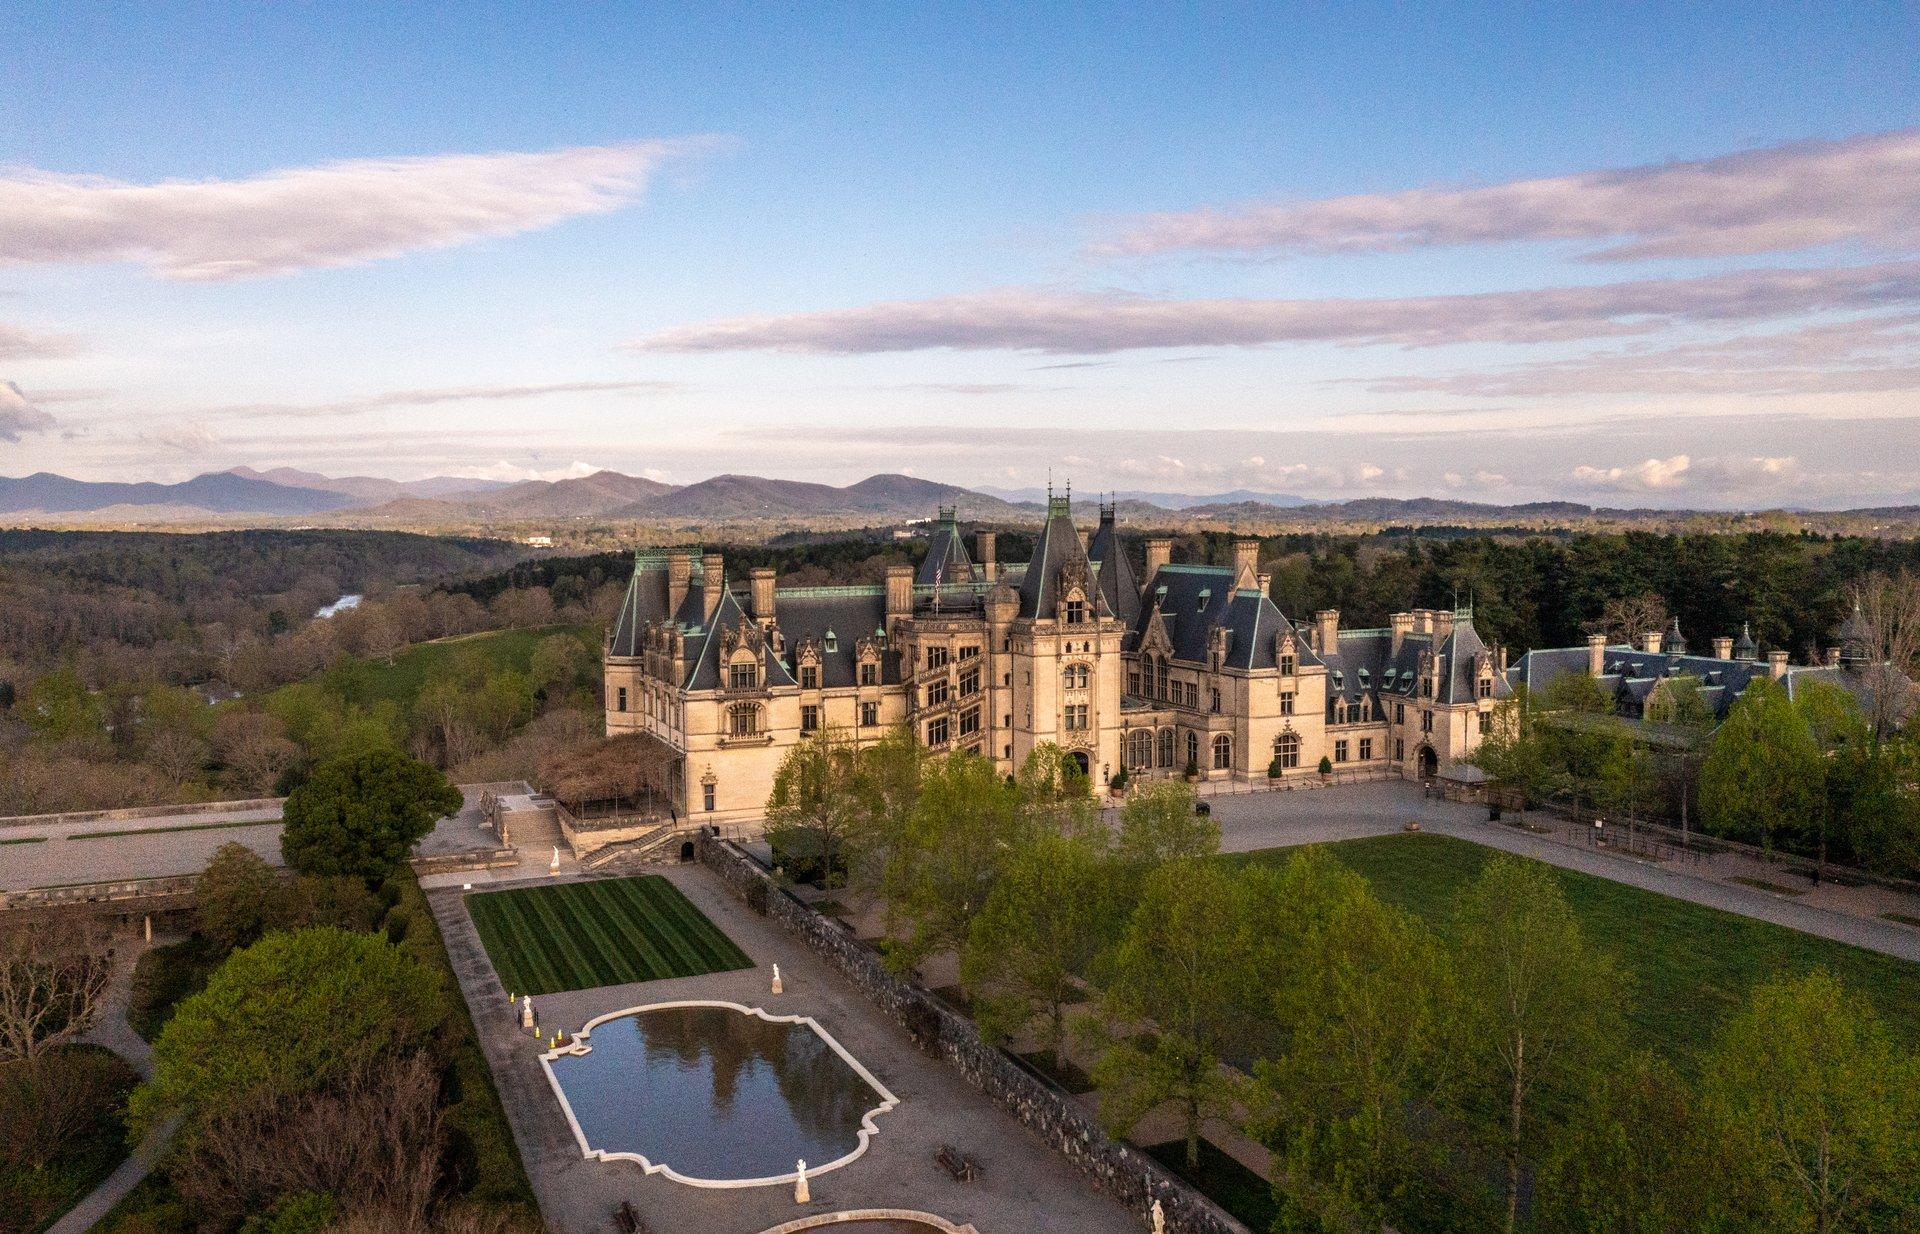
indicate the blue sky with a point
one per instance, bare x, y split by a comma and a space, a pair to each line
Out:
902, 164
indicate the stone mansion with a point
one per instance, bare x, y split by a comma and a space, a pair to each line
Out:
1192, 668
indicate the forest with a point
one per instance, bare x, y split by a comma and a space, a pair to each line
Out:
144, 667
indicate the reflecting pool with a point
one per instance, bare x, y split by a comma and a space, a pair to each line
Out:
715, 1093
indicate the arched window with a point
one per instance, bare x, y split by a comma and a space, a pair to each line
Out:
1222, 752
1286, 748
1193, 748
743, 720
1140, 749
1166, 747
1075, 676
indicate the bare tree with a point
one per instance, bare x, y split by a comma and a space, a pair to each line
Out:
1628, 618
1887, 609
51, 982
373, 1142
176, 755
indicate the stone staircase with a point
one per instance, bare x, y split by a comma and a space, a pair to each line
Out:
533, 825
660, 845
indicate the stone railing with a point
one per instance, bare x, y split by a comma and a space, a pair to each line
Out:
456, 863
170, 887
136, 813
1119, 1168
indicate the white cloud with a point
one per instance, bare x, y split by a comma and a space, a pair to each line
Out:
19, 416
336, 214
448, 394
503, 470
1087, 323
1682, 472
1863, 189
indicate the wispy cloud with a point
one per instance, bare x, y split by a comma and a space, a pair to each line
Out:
21, 343
1863, 189
1093, 323
450, 394
336, 214
18, 416
1862, 355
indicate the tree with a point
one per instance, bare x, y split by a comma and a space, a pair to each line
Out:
1814, 1112
291, 1014
1050, 913
59, 708
51, 981
1627, 619
964, 823
1185, 974
234, 899
1054, 793
362, 815
1629, 1159
1763, 777
1537, 1003
561, 663
1889, 623
1158, 824
1514, 753
1359, 1007
816, 804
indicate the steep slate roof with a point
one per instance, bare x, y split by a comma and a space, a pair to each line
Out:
1115, 577
849, 614
946, 560
1367, 664
1058, 546
646, 601
1193, 600
1630, 676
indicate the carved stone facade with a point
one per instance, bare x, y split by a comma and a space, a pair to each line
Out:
1196, 670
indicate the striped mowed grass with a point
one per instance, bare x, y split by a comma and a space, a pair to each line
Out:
574, 936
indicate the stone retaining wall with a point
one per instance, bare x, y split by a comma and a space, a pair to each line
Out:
1118, 1168
136, 813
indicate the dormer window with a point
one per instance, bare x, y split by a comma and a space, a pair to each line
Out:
1206, 594
1076, 611
743, 676
1286, 665
832, 641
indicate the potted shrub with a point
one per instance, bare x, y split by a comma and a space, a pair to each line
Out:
1326, 767
1118, 784
1273, 768
1193, 770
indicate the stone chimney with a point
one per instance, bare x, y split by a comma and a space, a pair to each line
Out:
679, 574
1777, 665
1596, 654
1246, 559
1650, 642
984, 543
1423, 621
1402, 625
1723, 648
899, 591
713, 582
1326, 630
1159, 553
761, 599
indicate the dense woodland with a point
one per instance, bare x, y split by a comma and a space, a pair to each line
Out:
140, 667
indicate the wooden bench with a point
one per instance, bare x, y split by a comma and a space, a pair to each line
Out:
963, 1167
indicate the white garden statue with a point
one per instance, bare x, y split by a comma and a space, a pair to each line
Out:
1159, 1218
555, 867
526, 1012
800, 1193
776, 979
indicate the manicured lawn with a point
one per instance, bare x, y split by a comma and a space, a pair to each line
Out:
367, 682
1223, 1180
1691, 966
575, 936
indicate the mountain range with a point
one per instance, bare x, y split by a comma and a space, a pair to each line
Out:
610, 496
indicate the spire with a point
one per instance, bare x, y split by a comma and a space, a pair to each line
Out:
1744, 648
1673, 642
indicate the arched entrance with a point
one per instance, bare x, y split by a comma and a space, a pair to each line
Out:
1429, 763
1081, 761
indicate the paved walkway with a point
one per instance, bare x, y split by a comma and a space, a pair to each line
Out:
1025, 1187
110, 1029
1281, 820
